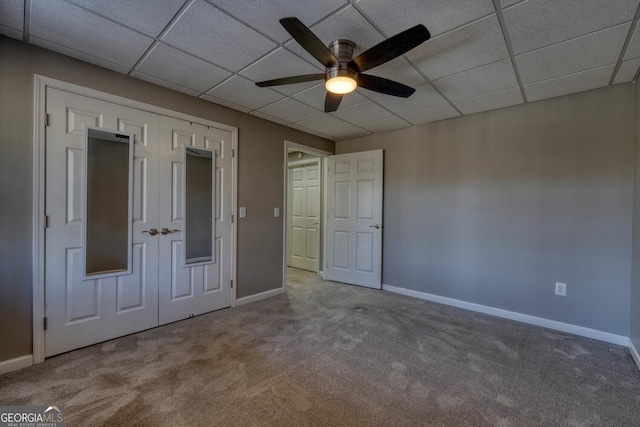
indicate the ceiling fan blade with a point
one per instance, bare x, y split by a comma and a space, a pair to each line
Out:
391, 48
332, 102
290, 80
309, 41
386, 86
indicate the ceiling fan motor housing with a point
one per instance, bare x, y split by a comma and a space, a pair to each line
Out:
343, 50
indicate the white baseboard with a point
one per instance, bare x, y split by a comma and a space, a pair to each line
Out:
321, 273
258, 297
15, 364
634, 352
525, 318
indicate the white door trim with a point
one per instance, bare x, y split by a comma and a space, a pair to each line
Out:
285, 166
41, 83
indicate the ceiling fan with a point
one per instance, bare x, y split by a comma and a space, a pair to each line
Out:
344, 73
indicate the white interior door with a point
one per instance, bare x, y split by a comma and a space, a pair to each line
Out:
83, 312
354, 218
187, 291
304, 217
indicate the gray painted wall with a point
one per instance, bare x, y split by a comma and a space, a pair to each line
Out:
634, 332
260, 186
494, 208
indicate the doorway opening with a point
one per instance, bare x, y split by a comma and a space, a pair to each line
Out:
304, 209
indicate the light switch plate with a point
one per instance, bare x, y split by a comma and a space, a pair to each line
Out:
276, 212
243, 212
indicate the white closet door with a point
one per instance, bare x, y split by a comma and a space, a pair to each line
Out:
83, 312
304, 217
354, 223
187, 291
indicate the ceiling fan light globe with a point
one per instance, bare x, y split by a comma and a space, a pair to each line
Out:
341, 84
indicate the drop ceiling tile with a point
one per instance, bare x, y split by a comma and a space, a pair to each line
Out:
265, 15
225, 103
473, 45
385, 125
537, 23
507, 3
212, 35
586, 80
478, 81
245, 92
627, 71
492, 101
177, 67
323, 123
425, 96
347, 24
147, 16
78, 55
165, 83
70, 26
281, 63
399, 70
579, 54
315, 97
10, 32
362, 113
290, 110
438, 16
433, 114
12, 14
257, 113
348, 133
633, 50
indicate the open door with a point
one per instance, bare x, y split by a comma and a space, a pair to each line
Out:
354, 218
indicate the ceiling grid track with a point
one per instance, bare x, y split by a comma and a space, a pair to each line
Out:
507, 40
632, 30
27, 21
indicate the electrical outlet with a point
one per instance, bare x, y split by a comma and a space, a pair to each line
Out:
561, 289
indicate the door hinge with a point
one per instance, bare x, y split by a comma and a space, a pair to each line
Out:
47, 118
232, 284
46, 221
46, 323
231, 218
233, 152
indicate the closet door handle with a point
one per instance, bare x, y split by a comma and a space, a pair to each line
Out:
166, 231
153, 231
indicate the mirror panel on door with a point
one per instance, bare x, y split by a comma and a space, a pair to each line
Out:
199, 182
108, 190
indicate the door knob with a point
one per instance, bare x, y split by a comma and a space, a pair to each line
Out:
153, 231
165, 231
377, 226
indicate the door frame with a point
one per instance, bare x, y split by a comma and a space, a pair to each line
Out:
322, 154
41, 84
294, 165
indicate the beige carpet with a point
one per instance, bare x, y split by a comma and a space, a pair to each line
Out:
328, 354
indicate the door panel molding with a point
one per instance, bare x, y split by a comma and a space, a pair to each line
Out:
41, 84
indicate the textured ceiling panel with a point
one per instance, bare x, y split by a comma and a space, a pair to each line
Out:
491, 101
627, 71
10, 32
362, 113
399, 70
290, 110
569, 57
478, 81
433, 114
437, 15
537, 23
244, 92
264, 15
573, 83
385, 125
78, 55
348, 132
70, 26
167, 63
323, 123
147, 16
165, 83
212, 35
467, 47
12, 14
